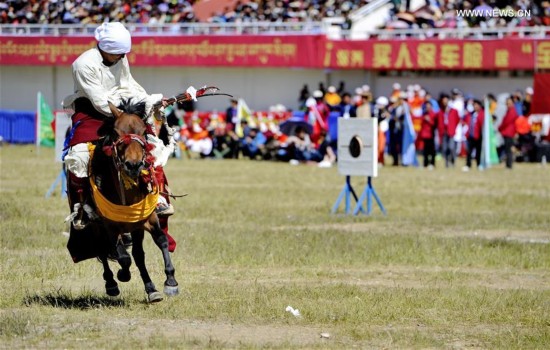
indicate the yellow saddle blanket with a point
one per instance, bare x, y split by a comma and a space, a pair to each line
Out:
123, 213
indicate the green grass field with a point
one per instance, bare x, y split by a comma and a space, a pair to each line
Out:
462, 260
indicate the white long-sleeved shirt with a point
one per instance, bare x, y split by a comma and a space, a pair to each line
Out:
102, 84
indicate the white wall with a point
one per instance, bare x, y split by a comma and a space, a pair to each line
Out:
261, 88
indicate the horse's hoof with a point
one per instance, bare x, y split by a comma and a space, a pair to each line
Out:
112, 291
171, 291
126, 240
123, 275
154, 297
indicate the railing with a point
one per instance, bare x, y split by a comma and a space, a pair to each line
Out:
271, 28
367, 9
255, 28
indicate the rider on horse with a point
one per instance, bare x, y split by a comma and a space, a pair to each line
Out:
102, 75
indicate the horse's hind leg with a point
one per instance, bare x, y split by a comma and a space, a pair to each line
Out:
123, 275
139, 258
170, 285
111, 287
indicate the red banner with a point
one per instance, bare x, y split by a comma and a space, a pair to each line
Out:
452, 54
231, 51
541, 98
308, 51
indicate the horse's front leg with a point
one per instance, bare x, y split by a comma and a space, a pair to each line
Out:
124, 260
139, 258
111, 287
160, 239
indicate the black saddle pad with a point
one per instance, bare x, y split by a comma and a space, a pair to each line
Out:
86, 243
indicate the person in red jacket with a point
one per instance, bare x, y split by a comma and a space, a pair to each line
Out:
447, 121
507, 129
474, 121
427, 135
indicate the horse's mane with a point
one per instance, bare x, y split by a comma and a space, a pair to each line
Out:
127, 106
133, 108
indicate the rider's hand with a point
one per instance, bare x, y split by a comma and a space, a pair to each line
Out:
165, 102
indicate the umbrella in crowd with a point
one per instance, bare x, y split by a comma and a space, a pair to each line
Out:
289, 126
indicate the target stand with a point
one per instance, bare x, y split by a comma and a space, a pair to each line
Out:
62, 126
61, 180
358, 155
346, 194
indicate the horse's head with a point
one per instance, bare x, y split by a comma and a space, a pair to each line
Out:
130, 147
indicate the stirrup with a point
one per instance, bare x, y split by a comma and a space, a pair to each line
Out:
81, 223
78, 224
164, 209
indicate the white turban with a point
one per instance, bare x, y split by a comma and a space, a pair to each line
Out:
113, 38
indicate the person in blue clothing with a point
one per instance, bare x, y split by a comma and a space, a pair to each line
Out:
433, 102
346, 107
231, 113
253, 144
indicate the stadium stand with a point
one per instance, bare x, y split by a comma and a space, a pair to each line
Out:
168, 11
355, 19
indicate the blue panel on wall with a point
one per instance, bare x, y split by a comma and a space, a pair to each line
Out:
18, 126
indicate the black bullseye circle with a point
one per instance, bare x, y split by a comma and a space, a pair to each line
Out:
355, 146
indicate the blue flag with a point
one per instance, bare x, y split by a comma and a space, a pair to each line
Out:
408, 153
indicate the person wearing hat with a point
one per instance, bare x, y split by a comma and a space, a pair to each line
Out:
364, 111
447, 121
318, 113
396, 90
332, 98
381, 113
396, 125
102, 75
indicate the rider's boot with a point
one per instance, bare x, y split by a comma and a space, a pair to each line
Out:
165, 198
164, 207
79, 201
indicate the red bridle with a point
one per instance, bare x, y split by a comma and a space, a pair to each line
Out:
113, 149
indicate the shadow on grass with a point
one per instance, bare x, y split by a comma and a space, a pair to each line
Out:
69, 302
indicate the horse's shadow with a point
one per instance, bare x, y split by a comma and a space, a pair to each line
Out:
64, 301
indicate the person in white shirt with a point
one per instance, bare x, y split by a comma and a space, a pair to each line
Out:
102, 75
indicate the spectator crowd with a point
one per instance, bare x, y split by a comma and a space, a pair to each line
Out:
456, 14
434, 14
169, 11
449, 125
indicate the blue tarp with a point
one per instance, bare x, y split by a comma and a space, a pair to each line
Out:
18, 126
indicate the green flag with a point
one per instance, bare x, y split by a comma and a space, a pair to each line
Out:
489, 154
44, 135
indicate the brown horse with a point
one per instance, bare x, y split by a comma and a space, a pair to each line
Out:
125, 191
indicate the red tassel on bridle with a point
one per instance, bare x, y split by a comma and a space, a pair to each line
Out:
108, 150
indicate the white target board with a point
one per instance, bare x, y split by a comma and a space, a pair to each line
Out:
62, 123
358, 147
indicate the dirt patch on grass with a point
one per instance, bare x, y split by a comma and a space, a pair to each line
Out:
231, 335
510, 235
383, 277
184, 334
